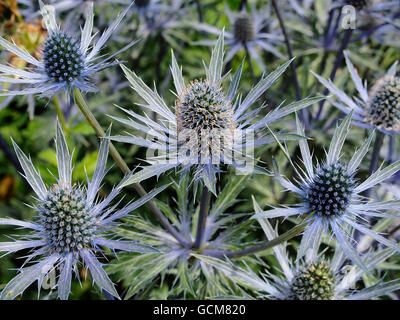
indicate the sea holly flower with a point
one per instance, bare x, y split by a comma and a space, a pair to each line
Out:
315, 277
193, 279
255, 31
209, 126
331, 200
67, 62
378, 107
71, 226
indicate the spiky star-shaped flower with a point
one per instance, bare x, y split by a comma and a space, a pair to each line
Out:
377, 108
315, 277
71, 225
193, 278
67, 61
209, 127
255, 31
331, 197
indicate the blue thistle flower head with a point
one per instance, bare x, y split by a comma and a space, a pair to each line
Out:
330, 191
243, 28
71, 226
376, 108
255, 31
208, 124
384, 104
68, 62
62, 58
331, 197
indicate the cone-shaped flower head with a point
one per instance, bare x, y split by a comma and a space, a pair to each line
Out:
384, 104
330, 191
243, 28
68, 221
71, 225
67, 62
209, 126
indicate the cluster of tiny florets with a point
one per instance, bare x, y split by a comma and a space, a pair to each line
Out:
204, 119
202, 106
330, 191
62, 58
358, 4
243, 28
315, 282
67, 219
384, 105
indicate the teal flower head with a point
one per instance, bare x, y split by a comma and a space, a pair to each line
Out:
71, 225
208, 126
331, 198
67, 62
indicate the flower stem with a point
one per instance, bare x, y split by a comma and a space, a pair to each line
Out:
248, 57
270, 244
60, 114
81, 103
303, 112
201, 224
199, 12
